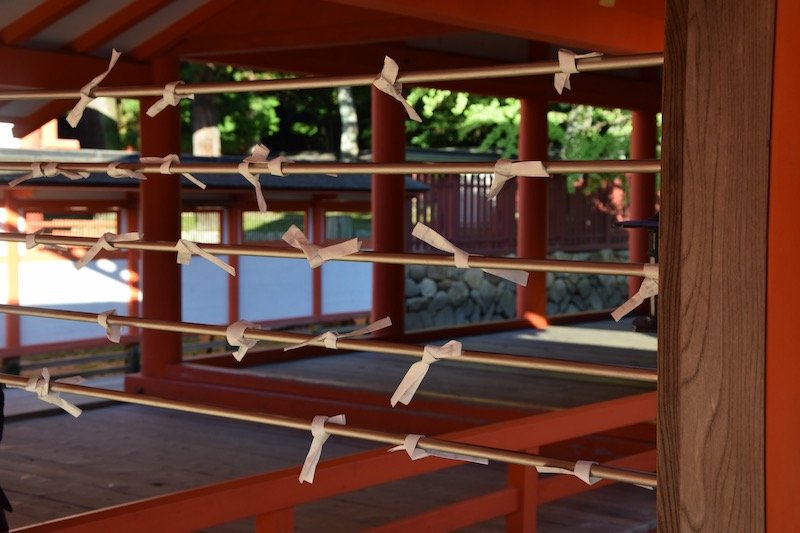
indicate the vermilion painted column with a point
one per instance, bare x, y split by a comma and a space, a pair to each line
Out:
532, 207
160, 207
388, 211
642, 189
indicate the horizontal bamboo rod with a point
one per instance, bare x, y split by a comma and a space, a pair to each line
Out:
392, 348
483, 452
475, 261
538, 68
292, 168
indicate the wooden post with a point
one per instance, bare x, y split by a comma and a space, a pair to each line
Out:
532, 205
233, 230
12, 271
642, 189
160, 220
526, 481
783, 284
713, 257
388, 211
280, 521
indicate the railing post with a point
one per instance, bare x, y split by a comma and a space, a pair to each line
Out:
279, 521
525, 480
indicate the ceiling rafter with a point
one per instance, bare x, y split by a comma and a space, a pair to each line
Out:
116, 23
36, 20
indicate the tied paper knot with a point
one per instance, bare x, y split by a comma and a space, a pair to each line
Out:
274, 167
568, 66
461, 258
330, 338
166, 163
105, 243
168, 98
416, 373
186, 249
582, 471
30, 239
47, 170
648, 289
411, 447
315, 254
114, 171
41, 387
112, 330
387, 83
87, 92
235, 337
319, 437
505, 169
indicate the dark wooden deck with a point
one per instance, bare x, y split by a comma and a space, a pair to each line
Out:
53, 466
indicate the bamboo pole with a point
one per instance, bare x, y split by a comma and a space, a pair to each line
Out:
427, 443
392, 348
289, 168
475, 261
539, 68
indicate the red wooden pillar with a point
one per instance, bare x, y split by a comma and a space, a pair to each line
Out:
318, 231
233, 226
388, 211
526, 480
642, 189
160, 204
12, 271
532, 206
131, 225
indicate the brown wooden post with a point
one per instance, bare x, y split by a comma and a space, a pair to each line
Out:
160, 204
711, 350
532, 205
526, 480
642, 188
233, 226
388, 211
12, 271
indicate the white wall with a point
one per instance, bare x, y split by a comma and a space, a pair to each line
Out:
274, 288
346, 287
204, 289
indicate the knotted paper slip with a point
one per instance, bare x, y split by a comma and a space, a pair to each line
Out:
168, 98
41, 386
411, 447
112, 330
166, 163
416, 373
319, 437
186, 249
315, 254
87, 92
47, 170
566, 62
274, 167
387, 83
330, 338
105, 243
235, 336
505, 169
424, 233
648, 289
581, 471
114, 171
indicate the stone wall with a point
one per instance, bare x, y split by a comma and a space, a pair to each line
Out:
441, 296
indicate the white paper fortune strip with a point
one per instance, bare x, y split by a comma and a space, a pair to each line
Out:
330, 338
274, 167
112, 330
166, 162
186, 249
114, 171
41, 387
30, 239
505, 169
315, 254
424, 233
386, 82
413, 378
168, 98
87, 92
410, 445
566, 62
648, 289
582, 471
235, 336
104, 243
47, 170
319, 437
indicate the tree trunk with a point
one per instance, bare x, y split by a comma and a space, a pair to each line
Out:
348, 143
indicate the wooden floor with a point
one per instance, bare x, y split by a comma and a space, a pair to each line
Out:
53, 466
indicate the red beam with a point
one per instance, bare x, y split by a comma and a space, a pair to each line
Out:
37, 19
115, 24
